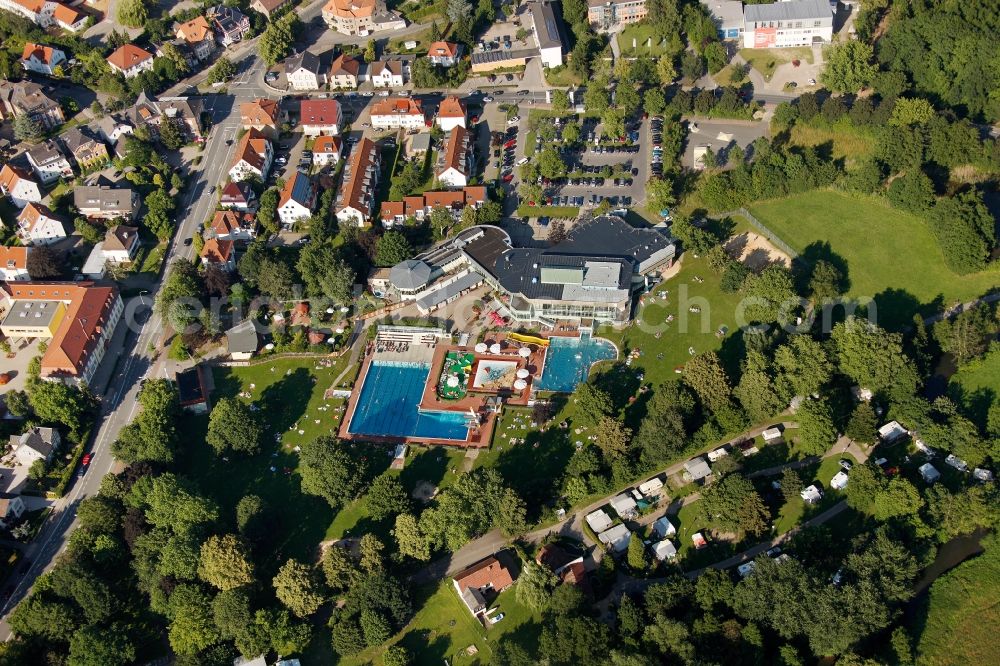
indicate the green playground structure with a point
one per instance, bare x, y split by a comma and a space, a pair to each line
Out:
454, 379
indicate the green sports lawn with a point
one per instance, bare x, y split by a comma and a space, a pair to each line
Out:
889, 254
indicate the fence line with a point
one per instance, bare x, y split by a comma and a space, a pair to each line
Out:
763, 229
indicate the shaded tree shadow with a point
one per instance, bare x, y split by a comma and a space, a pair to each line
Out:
534, 469
758, 259
284, 402
429, 466
804, 264
975, 404
896, 308
736, 245
732, 352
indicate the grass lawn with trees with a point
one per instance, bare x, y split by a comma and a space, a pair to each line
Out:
960, 613
766, 61
444, 628
976, 384
641, 33
688, 330
846, 143
889, 254
291, 394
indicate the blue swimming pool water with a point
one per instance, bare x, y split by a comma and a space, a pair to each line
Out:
568, 361
388, 406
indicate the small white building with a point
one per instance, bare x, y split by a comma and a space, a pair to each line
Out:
326, 151
663, 528
451, 114
598, 521
36, 225
616, 539
624, 506
839, 481
11, 509
696, 469
664, 550
929, 473
20, 186
304, 72
42, 59
891, 431
14, 263
811, 494
38, 443
772, 435
651, 487
390, 73
954, 461
546, 33
296, 201
131, 61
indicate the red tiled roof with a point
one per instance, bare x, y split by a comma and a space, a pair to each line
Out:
443, 49
397, 106
67, 15
194, 31
81, 327
128, 56
345, 64
319, 112
15, 256
41, 53
259, 112
451, 107
326, 144
252, 149
486, 572
217, 251
10, 174
455, 150
353, 188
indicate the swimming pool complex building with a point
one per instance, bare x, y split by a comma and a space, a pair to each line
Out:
592, 275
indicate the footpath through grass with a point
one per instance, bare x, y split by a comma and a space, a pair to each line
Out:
888, 254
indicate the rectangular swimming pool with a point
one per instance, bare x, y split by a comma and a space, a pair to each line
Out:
568, 361
388, 406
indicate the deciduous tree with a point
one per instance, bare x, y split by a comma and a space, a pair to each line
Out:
225, 562
298, 586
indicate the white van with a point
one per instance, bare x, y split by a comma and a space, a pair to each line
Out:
523, 160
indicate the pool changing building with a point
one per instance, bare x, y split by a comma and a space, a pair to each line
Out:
594, 274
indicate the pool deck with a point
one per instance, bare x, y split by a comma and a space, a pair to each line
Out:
476, 400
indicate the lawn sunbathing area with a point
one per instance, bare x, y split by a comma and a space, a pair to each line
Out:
640, 34
889, 255
290, 400
701, 318
766, 61
444, 629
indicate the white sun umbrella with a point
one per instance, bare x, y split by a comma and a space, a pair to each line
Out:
495, 348
524, 352
453, 382
522, 373
331, 340
520, 384
269, 346
481, 347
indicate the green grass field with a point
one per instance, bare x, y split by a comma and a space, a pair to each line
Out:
688, 330
846, 143
889, 255
444, 629
290, 399
977, 384
963, 611
766, 61
640, 34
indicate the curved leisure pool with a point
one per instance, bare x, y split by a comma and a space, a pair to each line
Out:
568, 362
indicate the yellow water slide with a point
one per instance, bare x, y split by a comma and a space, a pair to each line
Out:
528, 339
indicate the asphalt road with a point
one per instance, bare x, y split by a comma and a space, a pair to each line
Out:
134, 360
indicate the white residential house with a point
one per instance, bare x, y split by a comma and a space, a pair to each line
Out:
36, 225
130, 61
118, 247
389, 73
253, 157
14, 263
20, 186
398, 113
38, 443
455, 166
303, 72
42, 59
11, 509
49, 163
296, 201
320, 117
445, 54
231, 225
326, 151
451, 114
